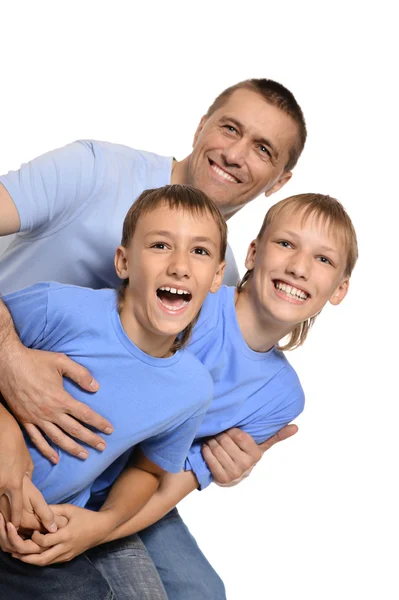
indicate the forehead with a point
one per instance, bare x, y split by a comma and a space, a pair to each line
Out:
258, 117
315, 226
178, 221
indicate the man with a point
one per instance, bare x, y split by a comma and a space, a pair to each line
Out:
68, 208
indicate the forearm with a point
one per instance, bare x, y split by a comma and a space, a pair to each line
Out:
9, 429
130, 493
8, 335
173, 488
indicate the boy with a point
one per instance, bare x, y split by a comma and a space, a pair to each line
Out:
171, 255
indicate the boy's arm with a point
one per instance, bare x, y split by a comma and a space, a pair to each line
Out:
173, 488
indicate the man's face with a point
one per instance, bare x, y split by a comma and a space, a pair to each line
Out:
172, 262
298, 266
241, 150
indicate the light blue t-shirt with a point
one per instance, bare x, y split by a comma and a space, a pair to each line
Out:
259, 392
72, 203
155, 402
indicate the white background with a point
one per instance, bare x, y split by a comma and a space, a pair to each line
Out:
318, 516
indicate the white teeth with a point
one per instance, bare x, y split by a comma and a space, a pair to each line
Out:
290, 290
174, 291
223, 173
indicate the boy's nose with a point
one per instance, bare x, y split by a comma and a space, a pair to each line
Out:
179, 265
299, 267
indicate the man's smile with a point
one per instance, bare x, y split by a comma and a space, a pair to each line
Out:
222, 173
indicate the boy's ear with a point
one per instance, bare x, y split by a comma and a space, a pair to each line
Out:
340, 292
120, 262
217, 280
251, 255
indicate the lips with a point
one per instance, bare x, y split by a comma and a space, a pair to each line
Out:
173, 299
222, 173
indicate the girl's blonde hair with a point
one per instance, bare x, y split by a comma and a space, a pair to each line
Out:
328, 211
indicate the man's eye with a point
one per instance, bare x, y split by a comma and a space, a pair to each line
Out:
201, 251
230, 128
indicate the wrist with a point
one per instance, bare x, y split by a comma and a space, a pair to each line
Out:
107, 520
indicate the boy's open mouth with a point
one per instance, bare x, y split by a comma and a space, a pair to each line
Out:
173, 298
290, 290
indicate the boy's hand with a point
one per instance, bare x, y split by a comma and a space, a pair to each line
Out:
15, 464
36, 513
232, 455
31, 382
84, 529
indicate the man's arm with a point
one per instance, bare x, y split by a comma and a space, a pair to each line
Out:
9, 216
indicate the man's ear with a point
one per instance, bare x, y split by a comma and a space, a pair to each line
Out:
340, 292
285, 177
121, 263
251, 255
199, 129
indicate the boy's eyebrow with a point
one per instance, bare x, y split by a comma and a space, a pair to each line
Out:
324, 248
261, 140
197, 239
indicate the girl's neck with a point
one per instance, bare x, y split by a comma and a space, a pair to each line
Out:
259, 329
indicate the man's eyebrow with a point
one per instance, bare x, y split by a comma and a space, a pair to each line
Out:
197, 239
261, 140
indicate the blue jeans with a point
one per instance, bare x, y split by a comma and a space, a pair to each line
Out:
120, 570
185, 572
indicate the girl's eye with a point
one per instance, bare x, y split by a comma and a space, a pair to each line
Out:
201, 251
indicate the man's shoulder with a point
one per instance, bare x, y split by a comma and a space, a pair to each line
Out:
122, 151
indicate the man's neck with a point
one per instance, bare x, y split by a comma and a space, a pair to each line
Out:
260, 331
180, 171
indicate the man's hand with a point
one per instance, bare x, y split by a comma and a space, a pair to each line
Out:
84, 529
31, 382
232, 455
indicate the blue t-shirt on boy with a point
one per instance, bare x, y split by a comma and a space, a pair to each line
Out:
157, 403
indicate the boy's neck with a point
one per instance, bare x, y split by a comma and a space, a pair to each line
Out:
152, 344
260, 331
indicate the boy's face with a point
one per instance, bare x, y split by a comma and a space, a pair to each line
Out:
172, 262
241, 150
297, 267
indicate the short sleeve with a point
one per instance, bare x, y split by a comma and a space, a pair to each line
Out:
170, 448
28, 308
49, 190
283, 401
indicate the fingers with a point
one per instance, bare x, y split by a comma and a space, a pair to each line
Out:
61, 439
217, 470
84, 413
42, 510
38, 440
283, 434
17, 544
77, 430
48, 540
15, 498
48, 557
78, 374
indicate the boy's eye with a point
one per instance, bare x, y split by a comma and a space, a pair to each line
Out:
325, 260
159, 245
285, 244
201, 251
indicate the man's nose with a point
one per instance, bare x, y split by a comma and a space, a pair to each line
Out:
235, 153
